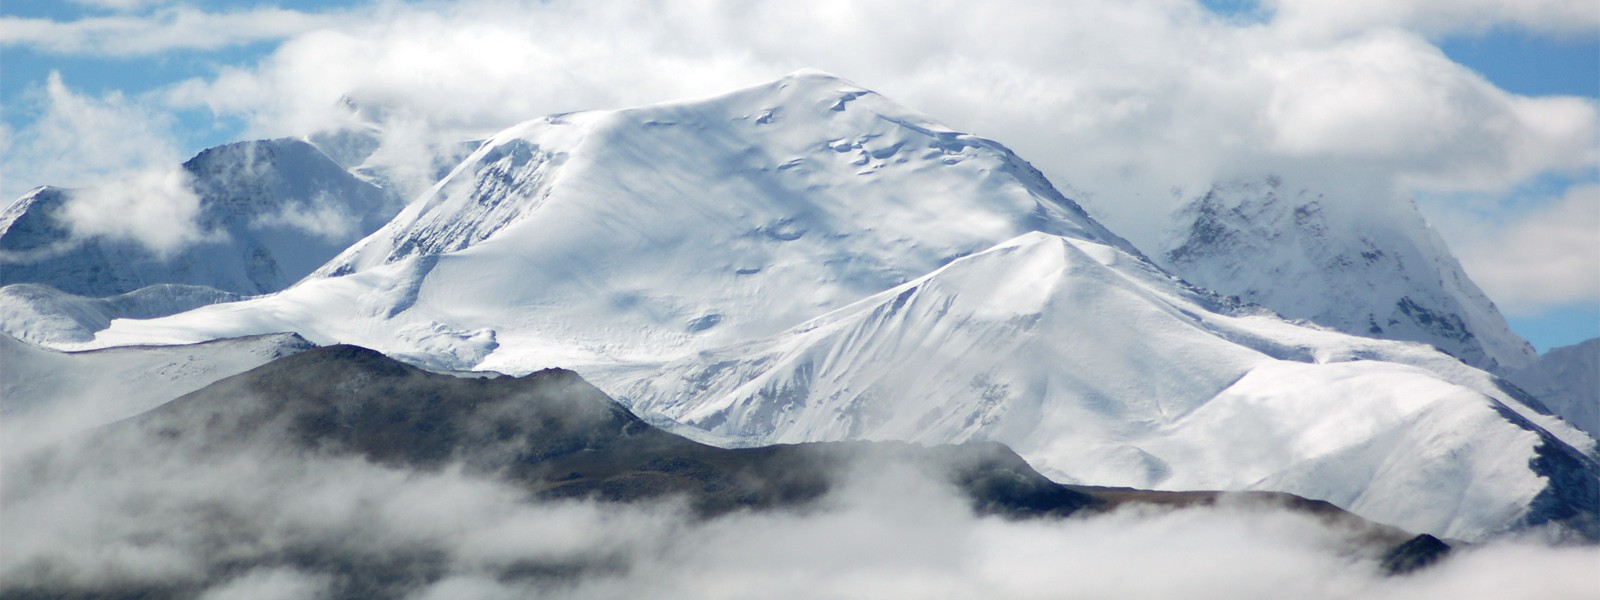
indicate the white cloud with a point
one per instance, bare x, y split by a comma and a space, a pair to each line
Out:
1437, 17
1392, 100
165, 30
320, 217
156, 208
119, 517
1545, 258
80, 140
269, 584
119, 153
1118, 102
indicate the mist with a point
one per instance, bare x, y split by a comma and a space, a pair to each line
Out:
117, 512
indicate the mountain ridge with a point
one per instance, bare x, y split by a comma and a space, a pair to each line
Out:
549, 435
748, 239
1376, 271
269, 211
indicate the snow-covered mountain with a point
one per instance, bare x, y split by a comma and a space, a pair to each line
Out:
1365, 269
636, 234
1567, 380
806, 260
1098, 368
374, 479
269, 213
46, 395
42, 314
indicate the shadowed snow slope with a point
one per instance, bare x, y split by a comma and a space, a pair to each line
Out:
1567, 379
605, 236
45, 315
723, 262
267, 213
1359, 267
1095, 367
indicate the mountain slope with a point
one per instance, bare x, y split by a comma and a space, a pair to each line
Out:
375, 429
1567, 379
1096, 367
1376, 271
46, 395
740, 245
606, 236
269, 213
42, 314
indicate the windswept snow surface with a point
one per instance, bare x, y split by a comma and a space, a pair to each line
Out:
723, 262
46, 395
1097, 369
631, 235
44, 315
1365, 268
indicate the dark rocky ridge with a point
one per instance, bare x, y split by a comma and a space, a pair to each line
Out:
557, 437
550, 431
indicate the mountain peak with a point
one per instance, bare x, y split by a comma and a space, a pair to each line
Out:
1341, 262
268, 212
807, 184
817, 77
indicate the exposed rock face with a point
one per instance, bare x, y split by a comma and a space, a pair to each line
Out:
1416, 553
1382, 273
550, 430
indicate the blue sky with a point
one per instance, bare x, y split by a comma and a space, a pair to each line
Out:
1527, 55
1525, 63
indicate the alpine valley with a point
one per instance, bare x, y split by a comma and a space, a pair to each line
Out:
719, 302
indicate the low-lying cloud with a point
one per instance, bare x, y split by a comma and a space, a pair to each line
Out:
280, 523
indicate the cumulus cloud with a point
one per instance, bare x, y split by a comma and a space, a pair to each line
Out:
1120, 103
81, 140
1545, 258
122, 155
